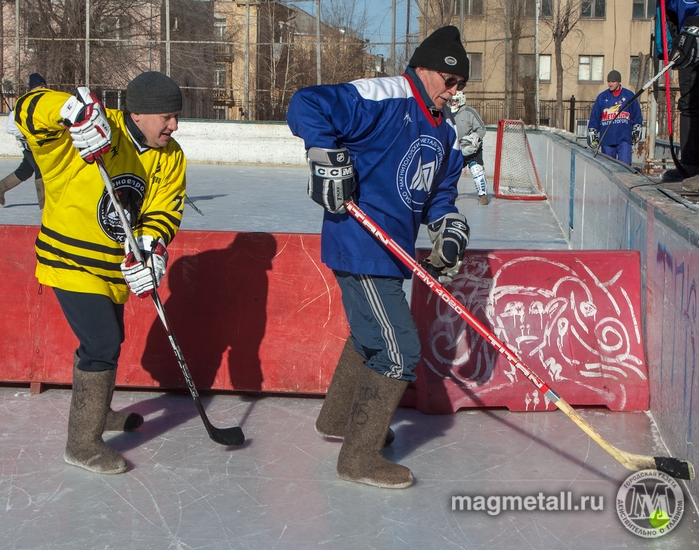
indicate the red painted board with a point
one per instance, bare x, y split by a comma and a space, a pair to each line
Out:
251, 311
19, 307
573, 317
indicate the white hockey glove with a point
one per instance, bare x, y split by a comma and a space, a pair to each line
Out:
636, 133
592, 138
143, 278
84, 116
332, 181
686, 49
470, 144
449, 235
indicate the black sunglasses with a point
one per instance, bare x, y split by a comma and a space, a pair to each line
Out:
451, 81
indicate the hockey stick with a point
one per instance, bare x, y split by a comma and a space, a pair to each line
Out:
224, 436
674, 467
630, 101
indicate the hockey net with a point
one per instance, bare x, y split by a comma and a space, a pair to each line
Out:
515, 173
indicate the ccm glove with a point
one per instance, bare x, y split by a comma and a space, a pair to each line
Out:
592, 138
636, 133
686, 49
84, 116
469, 144
144, 277
449, 236
332, 181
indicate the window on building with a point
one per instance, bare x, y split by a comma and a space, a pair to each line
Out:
590, 68
220, 28
527, 65
475, 61
593, 8
545, 68
471, 7
546, 8
644, 9
635, 71
220, 75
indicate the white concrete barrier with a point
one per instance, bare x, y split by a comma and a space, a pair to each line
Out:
230, 142
215, 142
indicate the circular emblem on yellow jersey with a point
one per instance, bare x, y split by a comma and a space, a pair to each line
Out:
130, 190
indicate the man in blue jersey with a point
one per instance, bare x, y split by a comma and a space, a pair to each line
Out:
626, 126
685, 16
391, 145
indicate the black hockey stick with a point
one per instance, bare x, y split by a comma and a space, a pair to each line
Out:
223, 436
630, 101
674, 467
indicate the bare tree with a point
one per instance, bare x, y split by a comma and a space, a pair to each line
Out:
565, 15
121, 36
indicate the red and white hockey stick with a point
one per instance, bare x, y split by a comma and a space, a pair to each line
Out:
222, 436
674, 467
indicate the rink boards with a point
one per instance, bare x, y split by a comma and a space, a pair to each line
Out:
259, 312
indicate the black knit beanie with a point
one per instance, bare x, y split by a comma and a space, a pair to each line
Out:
36, 80
152, 93
442, 51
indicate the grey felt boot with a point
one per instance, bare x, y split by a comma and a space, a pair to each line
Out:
376, 398
88, 413
8, 182
39, 184
116, 421
333, 417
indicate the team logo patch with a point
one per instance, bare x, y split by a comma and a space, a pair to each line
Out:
130, 190
449, 60
417, 169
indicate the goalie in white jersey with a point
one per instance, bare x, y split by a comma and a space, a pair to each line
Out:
80, 247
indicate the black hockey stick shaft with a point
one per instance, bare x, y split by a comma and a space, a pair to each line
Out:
630, 101
674, 467
223, 436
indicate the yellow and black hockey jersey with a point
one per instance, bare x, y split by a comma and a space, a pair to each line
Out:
80, 245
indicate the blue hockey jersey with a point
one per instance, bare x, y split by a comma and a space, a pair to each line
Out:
407, 165
683, 9
604, 110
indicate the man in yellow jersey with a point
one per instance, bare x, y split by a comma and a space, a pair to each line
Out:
81, 251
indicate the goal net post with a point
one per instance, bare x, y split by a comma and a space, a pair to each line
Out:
515, 173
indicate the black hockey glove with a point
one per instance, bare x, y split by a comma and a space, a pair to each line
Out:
332, 181
686, 48
449, 235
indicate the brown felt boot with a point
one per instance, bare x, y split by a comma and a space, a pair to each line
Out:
116, 421
332, 420
8, 182
88, 412
376, 398
691, 185
39, 184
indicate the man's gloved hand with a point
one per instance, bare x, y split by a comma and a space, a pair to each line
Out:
84, 116
449, 235
332, 181
144, 277
685, 50
592, 138
636, 133
470, 144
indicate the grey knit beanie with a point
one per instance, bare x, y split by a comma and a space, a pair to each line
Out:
153, 93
